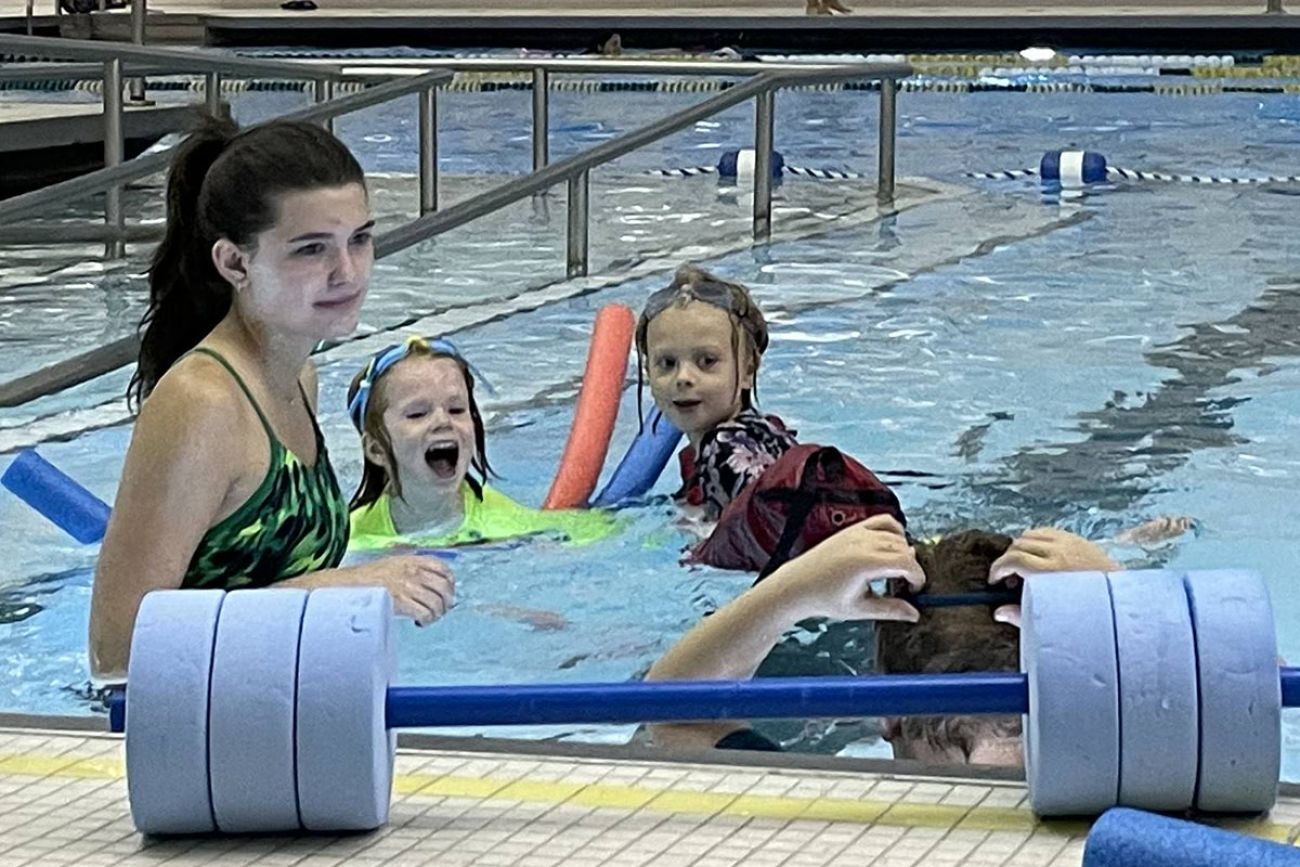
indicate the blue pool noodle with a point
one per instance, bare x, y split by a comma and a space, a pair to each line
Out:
1132, 838
82, 515
57, 496
645, 460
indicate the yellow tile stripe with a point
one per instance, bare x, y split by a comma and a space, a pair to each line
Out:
668, 800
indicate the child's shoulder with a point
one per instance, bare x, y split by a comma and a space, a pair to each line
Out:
750, 424
371, 525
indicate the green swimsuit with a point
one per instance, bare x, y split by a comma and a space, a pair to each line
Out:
295, 522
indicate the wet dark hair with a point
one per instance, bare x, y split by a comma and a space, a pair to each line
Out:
953, 640
223, 183
692, 283
375, 480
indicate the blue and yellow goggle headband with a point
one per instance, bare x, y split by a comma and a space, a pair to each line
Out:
383, 360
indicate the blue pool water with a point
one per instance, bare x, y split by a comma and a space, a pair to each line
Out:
1138, 355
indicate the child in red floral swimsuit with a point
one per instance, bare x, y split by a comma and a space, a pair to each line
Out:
701, 340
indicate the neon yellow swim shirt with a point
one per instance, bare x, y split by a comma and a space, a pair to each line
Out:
494, 518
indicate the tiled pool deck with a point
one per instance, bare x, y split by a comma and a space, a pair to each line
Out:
63, 801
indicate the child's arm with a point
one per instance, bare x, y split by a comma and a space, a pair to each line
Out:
540, 620
831, 580
1157, 531
1045, 549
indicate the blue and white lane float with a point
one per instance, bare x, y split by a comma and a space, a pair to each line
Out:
1080, 168
1065, 167
738, 165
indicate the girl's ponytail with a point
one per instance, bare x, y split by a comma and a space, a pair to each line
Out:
187, 297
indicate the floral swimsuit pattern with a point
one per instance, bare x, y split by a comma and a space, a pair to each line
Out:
732, 455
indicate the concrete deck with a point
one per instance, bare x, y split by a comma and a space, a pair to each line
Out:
43, 125
1174, 25
43, 142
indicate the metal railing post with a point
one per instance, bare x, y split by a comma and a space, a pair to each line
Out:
428, 151
764, 139
888, 138
212, 92
577, 246
1274, 7
541, 119
113, 148
323, 91
138, 12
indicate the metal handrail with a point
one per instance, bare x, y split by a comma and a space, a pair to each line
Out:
37, 71
138, 22
180, 60
571, 168
73, 189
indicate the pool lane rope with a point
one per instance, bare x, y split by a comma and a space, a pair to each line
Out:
738, 164
1068, 168
1079, 168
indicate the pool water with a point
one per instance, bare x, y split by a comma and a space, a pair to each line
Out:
1006, 358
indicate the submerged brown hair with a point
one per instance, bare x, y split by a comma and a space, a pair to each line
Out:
953, 640
375, 480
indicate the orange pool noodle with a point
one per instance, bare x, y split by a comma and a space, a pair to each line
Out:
593, 421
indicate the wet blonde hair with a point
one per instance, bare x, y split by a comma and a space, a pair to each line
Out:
375, 479
748, 327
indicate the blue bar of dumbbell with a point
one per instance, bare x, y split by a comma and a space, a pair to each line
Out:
682, 701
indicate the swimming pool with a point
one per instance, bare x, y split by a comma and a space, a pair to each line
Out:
1005, 357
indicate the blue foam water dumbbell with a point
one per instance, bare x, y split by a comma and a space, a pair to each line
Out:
1150, 689
1160, 728
1071, 731
252, 728
167, 735
1241, 702
1135, 686
269, 719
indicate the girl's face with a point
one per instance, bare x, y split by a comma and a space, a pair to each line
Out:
692, 367
429, 425
310, 271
